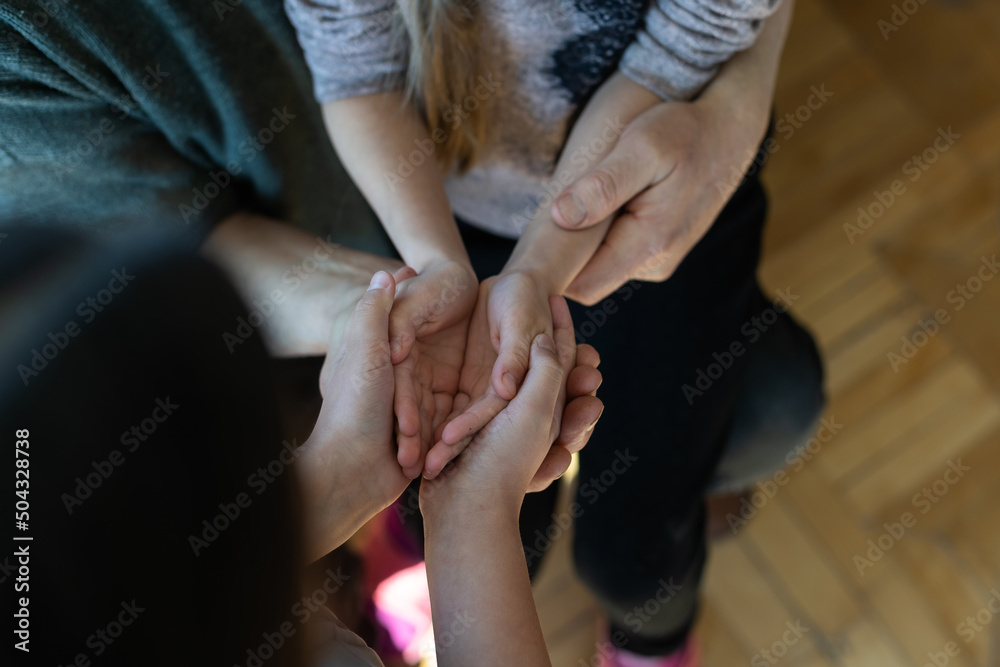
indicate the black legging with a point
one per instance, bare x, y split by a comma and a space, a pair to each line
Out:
640, 521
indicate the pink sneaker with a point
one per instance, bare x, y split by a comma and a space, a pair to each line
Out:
688, 655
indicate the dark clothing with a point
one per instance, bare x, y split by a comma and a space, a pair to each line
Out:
154, 540
165, 114
640, 525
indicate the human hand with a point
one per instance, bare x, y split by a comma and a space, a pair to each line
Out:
524, 446
348, 468
671, 173
511, 310
427, 333
305, 288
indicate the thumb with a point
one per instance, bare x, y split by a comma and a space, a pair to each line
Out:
370, 325
596, 195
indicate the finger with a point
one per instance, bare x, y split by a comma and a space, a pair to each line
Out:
554, 466
473, 418
402, 333
614, 262
579, 419
586, 355
406, 403
513, 353
545, 379
441, 454
562, 332
583, 381
625, 172
404, 273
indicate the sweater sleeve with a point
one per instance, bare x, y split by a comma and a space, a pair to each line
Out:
683, 42
350, 46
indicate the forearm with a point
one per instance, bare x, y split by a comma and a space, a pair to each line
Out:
304, 286
740, 94
375, 135
480, 590
550, 253
745, 85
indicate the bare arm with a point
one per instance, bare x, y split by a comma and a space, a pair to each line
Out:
376, 134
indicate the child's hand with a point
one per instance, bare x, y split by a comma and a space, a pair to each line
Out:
510, 312
514, 453
427, 332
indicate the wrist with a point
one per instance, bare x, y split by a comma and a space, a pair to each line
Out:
460, 514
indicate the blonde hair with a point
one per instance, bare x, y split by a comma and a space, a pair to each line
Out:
444, 68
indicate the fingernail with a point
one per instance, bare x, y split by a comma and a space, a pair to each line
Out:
380, 280
545, 341
572, 209
509, 383
594, 423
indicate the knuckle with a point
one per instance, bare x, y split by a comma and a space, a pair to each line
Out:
604, 187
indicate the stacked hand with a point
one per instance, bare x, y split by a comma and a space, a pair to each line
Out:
510, 311
351, 466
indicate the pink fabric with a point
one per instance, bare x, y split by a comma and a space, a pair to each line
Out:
403, 607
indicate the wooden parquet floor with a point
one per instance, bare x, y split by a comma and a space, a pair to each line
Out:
908, 422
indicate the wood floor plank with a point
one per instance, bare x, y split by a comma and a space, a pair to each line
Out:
928, 456
802, 566
733, 586
950, 80
911, 615
902, 415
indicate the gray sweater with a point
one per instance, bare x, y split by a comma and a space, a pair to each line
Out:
546, 58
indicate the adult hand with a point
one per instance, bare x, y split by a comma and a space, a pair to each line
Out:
511, 310
427, 333
671, 173
515, 449
347, 467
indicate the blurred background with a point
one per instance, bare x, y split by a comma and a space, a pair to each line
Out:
910, 135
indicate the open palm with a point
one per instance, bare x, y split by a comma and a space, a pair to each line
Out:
510, 311
428, 327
